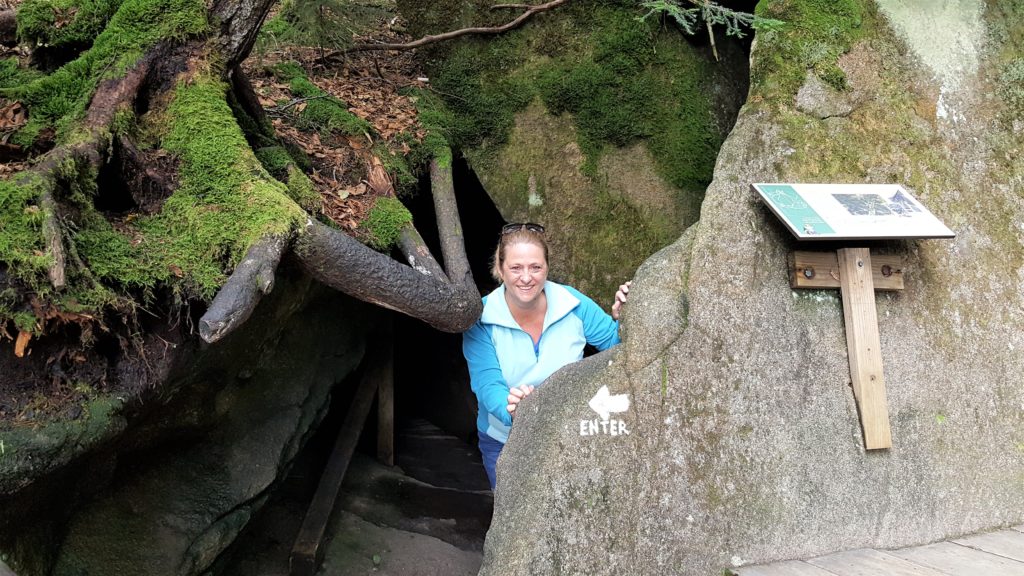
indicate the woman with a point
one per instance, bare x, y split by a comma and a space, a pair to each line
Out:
529, 328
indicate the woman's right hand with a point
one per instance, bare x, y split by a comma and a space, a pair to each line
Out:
515, 396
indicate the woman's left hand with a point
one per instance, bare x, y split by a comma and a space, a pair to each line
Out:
620, 299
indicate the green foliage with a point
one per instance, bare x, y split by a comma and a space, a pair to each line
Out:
63, 22
319, 23
482, 89
60, 99
620, 80
435, 118
709, 13
398, 167
816, 33
385, 222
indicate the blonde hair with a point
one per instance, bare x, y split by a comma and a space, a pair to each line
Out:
521, 236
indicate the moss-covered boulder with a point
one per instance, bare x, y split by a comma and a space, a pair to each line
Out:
602, 126
744, 441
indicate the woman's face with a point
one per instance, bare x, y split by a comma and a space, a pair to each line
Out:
524, 272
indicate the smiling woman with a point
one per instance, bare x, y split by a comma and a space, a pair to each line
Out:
530, 327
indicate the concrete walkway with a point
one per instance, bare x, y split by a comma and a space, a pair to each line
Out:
992, 554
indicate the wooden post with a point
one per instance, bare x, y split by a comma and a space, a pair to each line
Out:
864, 345
386, 402
857, 275
306, 552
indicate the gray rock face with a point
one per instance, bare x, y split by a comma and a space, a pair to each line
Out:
743, 441
198, 458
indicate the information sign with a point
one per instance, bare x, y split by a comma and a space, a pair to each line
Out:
851, 211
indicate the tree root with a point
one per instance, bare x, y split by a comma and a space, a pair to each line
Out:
52, 236
427, 40
417, 254
452, 245
341, 262
253, 277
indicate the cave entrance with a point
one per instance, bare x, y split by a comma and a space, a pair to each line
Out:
432, 391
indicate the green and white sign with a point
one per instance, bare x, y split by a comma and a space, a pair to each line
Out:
851, 211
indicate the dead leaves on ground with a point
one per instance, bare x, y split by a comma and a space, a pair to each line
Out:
347, 173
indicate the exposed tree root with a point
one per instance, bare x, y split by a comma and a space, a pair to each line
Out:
151, 176
452, 245
417, 254
253, 277
52, 235
344, 264
427, 40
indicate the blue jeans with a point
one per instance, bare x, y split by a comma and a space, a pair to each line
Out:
489, 450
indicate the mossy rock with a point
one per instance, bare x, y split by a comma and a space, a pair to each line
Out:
601, 126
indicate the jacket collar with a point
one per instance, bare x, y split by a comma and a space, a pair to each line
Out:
560, 303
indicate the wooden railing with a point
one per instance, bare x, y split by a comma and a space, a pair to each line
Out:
377, 379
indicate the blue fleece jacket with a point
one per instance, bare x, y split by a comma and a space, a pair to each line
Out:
501, 355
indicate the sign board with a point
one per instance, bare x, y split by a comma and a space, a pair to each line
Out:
851, 211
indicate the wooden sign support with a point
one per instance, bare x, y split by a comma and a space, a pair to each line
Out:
857, 276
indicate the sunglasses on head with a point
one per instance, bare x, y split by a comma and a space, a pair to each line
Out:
517, 226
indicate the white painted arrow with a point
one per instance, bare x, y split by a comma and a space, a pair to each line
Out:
604, 403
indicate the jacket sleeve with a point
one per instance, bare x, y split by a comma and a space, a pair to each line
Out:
485, 375
600, 330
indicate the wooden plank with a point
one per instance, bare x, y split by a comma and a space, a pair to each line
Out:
788, 568
305, 556
1006, 543
386, 407
864, 345
957, 560
867, 562
821, 270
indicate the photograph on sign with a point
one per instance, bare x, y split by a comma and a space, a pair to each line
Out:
851, 211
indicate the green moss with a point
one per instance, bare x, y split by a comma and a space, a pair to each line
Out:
815, 34
322, 111
63, 22
622, 81
225, 203
60, 99
385, 222
276, 161
11, 75
301, 190
398, 167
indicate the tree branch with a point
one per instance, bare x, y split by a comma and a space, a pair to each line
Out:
426, 40
253, 277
